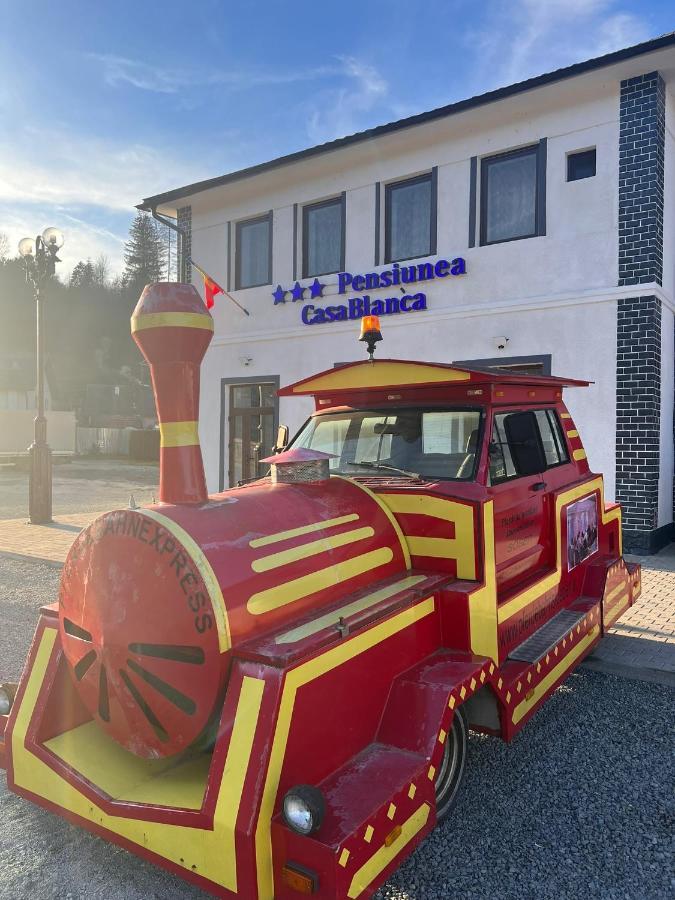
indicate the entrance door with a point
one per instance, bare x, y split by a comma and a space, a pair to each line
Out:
251, 421
521, 514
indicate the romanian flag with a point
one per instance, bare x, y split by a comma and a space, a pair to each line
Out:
211, 289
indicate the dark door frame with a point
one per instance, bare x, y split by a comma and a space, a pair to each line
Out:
225, 384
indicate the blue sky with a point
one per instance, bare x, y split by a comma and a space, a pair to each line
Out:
102, 104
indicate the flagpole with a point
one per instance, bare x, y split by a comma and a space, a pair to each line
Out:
227, 294
174, 227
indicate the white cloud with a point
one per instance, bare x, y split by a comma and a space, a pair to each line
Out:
118, 70
340, 111
82, 239
52, 166
528, 37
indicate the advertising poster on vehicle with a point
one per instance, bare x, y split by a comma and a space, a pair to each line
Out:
582, 530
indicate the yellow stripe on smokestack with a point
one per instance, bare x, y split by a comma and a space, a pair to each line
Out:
170, 320
178, 434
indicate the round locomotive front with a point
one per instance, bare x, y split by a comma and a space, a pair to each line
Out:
141, 633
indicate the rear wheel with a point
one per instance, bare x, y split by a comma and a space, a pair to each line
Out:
451, 768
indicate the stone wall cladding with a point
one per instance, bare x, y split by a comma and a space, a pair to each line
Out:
184, 222
638, 418
641, 177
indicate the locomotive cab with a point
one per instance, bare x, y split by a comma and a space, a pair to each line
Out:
267, 691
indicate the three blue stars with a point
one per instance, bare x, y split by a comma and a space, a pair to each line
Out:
297, 292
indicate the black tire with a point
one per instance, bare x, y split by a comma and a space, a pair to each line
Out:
452, 765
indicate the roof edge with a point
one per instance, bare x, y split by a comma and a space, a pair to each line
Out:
580, 68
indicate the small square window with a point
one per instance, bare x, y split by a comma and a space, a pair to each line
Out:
581, 165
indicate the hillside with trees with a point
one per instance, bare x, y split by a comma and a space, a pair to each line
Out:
87, 317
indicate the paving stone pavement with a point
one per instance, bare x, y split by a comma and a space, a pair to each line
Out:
642, 642
640, 645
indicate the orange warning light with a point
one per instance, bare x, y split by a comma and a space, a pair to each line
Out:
370, 333
368, 325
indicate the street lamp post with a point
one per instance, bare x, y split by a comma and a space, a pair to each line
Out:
40, 260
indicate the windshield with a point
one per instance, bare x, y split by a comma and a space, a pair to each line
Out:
431, 443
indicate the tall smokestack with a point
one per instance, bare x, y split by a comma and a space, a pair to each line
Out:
173, 329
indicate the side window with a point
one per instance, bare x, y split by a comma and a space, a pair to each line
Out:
500, 459
551, 437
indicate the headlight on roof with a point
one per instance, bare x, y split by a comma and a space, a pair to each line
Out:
304, 809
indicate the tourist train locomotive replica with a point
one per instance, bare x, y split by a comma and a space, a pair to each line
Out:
267, 691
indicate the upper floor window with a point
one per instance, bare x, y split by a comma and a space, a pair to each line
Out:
410, 218
254, 252
323, 237
512, 195
581, 165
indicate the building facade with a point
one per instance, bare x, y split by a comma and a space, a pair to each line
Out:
532, 227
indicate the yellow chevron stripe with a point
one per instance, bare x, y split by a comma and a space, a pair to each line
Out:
303, 631
178, 434
565, 416
579, 454
298, 588
171, 320
323, 545
615, 592
303, 529
616, 611
535, 695
382, 857
572, 433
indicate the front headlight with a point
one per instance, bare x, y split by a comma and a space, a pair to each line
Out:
304, 809
5, 702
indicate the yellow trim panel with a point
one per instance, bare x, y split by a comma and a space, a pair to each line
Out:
377, 374
299, 588
295, 679
460, 548
178, 434
303, 529
171, 320
209, 852
382, 857
303, 631
323, 545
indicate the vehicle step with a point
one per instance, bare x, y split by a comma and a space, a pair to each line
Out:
543, 640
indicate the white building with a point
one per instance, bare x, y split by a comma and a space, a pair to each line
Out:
552, 200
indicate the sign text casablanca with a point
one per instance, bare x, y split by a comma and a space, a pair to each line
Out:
356, 307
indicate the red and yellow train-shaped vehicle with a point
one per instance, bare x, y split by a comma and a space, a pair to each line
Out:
267, 691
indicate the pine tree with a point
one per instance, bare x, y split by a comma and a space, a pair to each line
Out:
82, 274
144, 253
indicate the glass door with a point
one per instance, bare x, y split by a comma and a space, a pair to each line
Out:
251, 421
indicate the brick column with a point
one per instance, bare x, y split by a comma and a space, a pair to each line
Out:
641, 168
184, 222
638, 375
638, 420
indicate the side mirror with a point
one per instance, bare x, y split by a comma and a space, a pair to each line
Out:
522, 434
282, 439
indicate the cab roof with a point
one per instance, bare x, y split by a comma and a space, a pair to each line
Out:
398, 374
